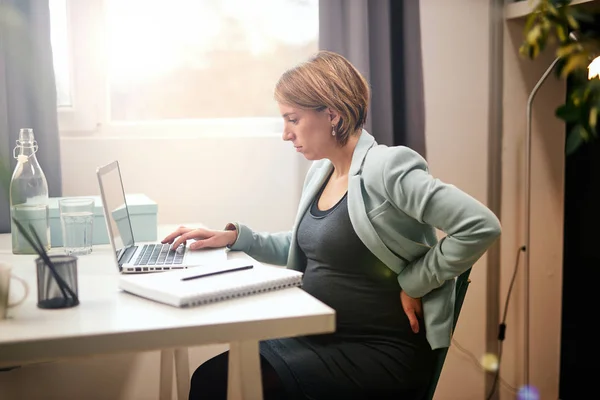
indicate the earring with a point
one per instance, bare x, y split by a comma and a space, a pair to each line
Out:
332, 131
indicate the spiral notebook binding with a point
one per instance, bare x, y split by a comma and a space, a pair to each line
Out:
241, 291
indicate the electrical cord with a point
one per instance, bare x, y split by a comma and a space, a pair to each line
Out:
475, 361
502, 326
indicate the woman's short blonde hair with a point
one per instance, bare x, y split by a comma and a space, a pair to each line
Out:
327, 80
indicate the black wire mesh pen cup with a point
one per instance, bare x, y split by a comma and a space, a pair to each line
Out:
57, 292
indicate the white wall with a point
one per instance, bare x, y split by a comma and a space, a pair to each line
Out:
213, 180
455, 36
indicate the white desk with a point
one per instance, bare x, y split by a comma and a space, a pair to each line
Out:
110, 321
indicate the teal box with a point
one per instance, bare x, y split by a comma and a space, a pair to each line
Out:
143, 212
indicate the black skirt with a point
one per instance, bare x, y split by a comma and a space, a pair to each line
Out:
324, 367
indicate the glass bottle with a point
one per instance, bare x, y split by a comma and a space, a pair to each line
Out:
28, 195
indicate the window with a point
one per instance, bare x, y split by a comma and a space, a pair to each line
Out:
194, 63
60, 50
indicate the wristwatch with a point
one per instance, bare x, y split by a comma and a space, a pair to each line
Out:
232, 227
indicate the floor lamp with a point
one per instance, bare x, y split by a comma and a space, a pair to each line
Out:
593, 71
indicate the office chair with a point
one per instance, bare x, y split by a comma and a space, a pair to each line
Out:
462, 282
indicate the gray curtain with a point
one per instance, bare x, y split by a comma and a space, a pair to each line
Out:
27, 92
382, 38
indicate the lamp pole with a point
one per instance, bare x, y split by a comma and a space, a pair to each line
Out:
528, 210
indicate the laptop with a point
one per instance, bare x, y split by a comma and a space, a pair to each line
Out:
132, 257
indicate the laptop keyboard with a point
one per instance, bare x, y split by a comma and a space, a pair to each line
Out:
160, 254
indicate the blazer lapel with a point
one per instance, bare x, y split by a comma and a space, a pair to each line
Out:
366, 231
358, 212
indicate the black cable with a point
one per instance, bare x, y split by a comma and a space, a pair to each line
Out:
478, 364
502, 326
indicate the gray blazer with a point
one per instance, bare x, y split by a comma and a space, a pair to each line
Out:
395, 206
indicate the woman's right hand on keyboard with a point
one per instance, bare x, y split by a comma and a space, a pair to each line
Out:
204, 238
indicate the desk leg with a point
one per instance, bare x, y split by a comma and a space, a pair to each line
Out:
166, 374
244, 380
182, 373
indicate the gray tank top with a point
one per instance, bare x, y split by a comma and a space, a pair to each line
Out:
344, 274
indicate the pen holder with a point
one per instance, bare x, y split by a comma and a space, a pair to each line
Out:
57, 292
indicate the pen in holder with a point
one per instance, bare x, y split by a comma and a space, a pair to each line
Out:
56, 274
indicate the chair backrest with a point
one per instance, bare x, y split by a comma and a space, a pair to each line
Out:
462, 282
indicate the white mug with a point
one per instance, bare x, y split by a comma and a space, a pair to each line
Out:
5, 277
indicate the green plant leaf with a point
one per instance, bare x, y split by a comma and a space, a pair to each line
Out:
531, 19
580, 16
553, 10
594, 84
561, 32
572, 22
546, 26
593, 118
549, 25
568, 112
529, 51
567, 49
574, 62
534, 35
574, 139
576, 96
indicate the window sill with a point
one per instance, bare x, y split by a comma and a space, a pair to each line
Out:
210, 128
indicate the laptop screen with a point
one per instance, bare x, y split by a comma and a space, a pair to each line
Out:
116, 207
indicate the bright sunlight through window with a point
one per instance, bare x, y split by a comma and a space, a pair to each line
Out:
60, 51
197, 59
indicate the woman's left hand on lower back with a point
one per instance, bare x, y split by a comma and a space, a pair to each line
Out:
413, 309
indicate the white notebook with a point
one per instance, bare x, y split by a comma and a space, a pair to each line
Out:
196, 286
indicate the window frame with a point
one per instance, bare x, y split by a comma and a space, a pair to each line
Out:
89, 113
82, 115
